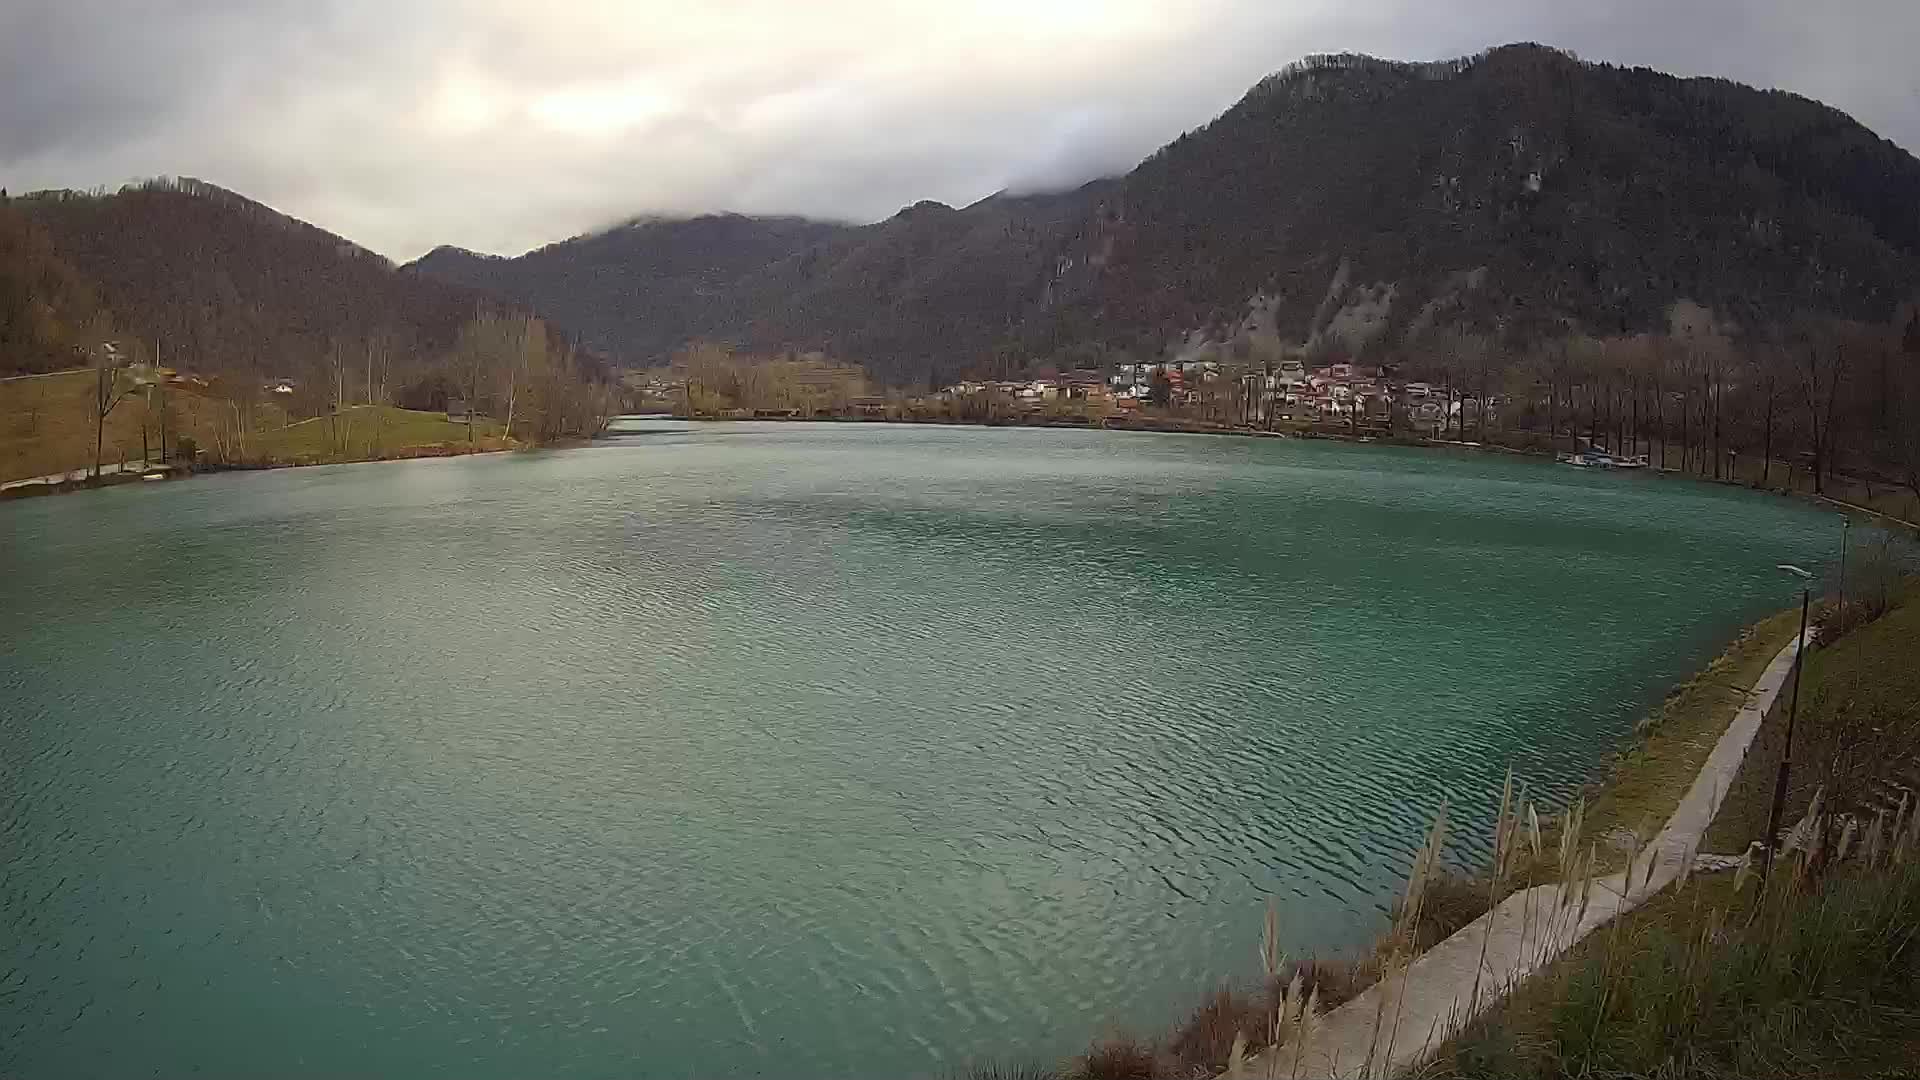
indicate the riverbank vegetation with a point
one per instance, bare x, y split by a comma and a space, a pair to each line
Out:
1809, 405
1719, 976
1814, 973
273, 342
506, 382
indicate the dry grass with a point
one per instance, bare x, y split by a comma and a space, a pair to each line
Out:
47, 427
370, 432
992, 1071
1453, 900
1227, 1018
1858, 733
1644, 784
1817, 975
1119, 1057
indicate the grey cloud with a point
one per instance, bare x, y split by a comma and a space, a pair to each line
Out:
408, 124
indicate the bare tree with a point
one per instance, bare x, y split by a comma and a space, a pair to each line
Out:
1904, 423
1764, 366
1560, 364
379, 371
1824, 354
111, 387
339, 425
525, 350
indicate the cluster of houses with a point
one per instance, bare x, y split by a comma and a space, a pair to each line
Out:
1291, 391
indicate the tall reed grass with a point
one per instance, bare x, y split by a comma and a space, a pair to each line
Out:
1816, 973
1269, 1031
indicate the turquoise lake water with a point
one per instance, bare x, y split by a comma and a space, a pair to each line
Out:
788, 750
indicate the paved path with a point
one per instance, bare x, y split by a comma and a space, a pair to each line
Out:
1845, 505
106, 469
1437, 996
44, 374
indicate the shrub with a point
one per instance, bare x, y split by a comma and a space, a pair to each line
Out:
1118, 1057
1207, 1038
1451, 900
1876, 575
994, 1071
1818, 971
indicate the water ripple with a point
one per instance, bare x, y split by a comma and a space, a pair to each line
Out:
789, 750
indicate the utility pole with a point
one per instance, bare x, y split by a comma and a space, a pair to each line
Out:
1793, 712
1846, 526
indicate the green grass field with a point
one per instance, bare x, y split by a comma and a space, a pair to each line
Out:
1645, 783
1817, 977
1857, 736
366, 433
47, 427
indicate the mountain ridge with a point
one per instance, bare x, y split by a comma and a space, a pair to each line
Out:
1344, 204
1518, 192
196, 270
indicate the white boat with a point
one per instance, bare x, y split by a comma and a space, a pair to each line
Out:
1594, 458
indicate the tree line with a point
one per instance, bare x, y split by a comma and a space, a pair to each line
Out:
1798, 404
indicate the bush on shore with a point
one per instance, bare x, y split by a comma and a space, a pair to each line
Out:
1817, 974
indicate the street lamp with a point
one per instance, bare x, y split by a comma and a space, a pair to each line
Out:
1846, 527
1793, 711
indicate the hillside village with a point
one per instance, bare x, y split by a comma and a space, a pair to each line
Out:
713, 383
1291, 392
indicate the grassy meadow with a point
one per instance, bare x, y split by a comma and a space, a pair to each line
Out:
47, 426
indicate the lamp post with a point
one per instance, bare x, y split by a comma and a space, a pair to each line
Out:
1846, 527
1793, 711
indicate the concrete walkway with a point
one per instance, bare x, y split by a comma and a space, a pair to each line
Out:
1397, 1024
74, 475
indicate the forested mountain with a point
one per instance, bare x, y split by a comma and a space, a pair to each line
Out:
199, 272
685, 274
1346, 203
47, 309
905, 295
238, 295
1521, 190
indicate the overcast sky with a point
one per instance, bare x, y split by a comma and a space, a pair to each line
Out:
504, 124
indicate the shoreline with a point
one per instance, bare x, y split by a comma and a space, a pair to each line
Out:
1664, 785
34, 488
1414, 442
1444, 989
28, 488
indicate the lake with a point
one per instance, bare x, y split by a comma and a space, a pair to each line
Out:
788, 749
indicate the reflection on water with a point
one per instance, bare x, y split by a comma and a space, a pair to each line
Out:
787, 749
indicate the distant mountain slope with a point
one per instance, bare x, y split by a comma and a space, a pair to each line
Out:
46, 306
904, 295
234, 284
1590, 195
1346, 200
643, 287
1349, 200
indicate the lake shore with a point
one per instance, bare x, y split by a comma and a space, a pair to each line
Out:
173, 472
1177, 426
753, 625
1627, 799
